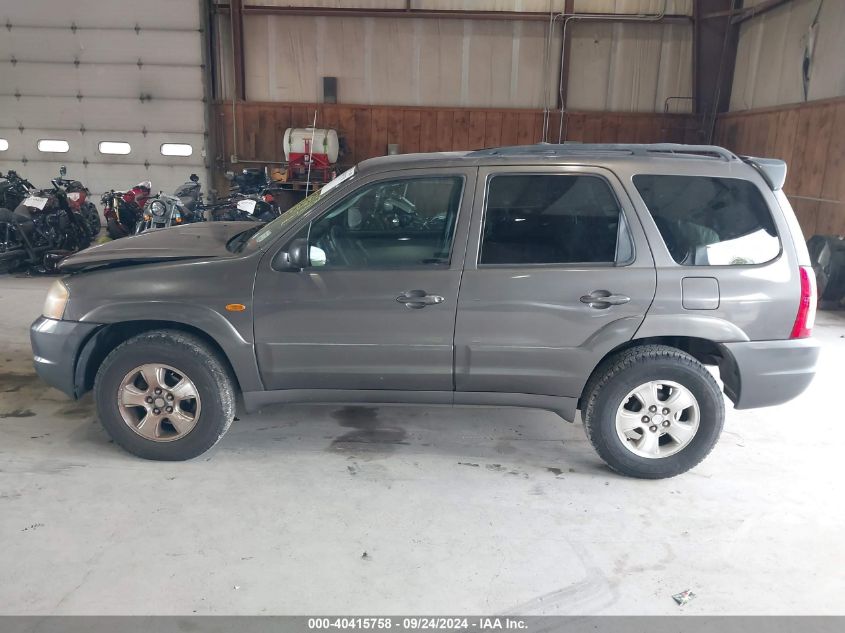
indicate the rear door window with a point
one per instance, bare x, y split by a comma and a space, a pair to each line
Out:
550, 219
708, 221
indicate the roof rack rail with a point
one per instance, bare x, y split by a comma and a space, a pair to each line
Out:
634, 149
680, 148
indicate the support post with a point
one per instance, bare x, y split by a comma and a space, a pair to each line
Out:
238, 70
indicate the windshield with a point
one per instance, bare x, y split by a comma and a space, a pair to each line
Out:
289, 217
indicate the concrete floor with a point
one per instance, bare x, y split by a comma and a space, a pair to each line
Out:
393, 511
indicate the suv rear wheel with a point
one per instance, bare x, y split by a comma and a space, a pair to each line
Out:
653, 412
164, 395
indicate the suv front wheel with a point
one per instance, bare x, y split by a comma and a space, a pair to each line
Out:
653, 411
164, 395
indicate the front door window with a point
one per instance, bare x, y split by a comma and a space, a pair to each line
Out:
402, 223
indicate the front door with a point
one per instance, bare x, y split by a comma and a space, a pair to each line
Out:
558, 273
376, 307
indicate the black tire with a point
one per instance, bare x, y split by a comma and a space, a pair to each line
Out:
192, 357
10, 260
618, 376
115, 230
92, 219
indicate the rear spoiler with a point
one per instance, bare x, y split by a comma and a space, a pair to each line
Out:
773, 170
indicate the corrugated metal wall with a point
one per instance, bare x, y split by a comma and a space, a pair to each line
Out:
770, 56
470, 63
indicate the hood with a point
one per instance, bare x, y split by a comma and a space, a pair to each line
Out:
200, 240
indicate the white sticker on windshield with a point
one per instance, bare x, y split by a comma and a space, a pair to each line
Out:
35, 201
338, 181
262, 236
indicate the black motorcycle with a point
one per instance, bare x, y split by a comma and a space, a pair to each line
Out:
13, 189
239, 208
183, 207
43, 229
249, 181
77, 195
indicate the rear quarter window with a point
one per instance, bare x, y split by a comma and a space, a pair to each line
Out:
708, 221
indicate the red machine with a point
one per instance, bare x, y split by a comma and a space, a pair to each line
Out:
311, 149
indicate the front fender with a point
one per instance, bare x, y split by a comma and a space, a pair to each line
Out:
232, 332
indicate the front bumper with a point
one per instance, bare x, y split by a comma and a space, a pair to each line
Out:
770, 372
55, 350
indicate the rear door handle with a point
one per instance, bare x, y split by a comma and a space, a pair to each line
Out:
419, 299
602, 299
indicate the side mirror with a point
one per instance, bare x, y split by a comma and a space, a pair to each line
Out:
62, 171
296, 256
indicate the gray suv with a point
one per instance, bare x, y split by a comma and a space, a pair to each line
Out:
599, 278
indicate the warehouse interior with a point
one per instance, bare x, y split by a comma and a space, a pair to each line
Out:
364, 509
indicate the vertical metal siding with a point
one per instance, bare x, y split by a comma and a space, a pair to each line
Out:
770, 56
449, 62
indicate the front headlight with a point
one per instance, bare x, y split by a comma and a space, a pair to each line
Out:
57, 296
158, 208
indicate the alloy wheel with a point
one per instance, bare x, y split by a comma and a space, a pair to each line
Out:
159, 402
657, 419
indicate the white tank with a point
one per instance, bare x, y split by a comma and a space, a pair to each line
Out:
325, 142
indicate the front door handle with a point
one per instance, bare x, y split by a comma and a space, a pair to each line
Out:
602, 299
419, 299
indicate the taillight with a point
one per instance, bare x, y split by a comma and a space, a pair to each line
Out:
807, 307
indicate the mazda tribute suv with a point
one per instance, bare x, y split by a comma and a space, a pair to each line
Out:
603, 279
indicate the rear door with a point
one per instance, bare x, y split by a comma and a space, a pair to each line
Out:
558, 273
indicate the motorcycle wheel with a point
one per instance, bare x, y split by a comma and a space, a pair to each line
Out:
92, 219
12, 254
115, 229
75, 238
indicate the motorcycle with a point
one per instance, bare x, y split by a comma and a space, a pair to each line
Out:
247, 182
124, 209
77, 195
183, 207
13, 189
259, 208
42, 230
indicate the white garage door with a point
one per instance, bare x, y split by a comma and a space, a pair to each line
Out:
88, 72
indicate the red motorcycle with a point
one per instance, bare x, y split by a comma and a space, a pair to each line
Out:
124, 209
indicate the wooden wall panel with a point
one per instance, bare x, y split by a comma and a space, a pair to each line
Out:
365, 131
810, 137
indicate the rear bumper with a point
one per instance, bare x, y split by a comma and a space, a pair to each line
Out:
770, 372
55, 349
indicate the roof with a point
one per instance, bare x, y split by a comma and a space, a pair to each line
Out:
773, 170
547, 151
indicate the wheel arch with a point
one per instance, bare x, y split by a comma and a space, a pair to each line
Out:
95, 349
704, 350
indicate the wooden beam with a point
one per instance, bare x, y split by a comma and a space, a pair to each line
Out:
236, 14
